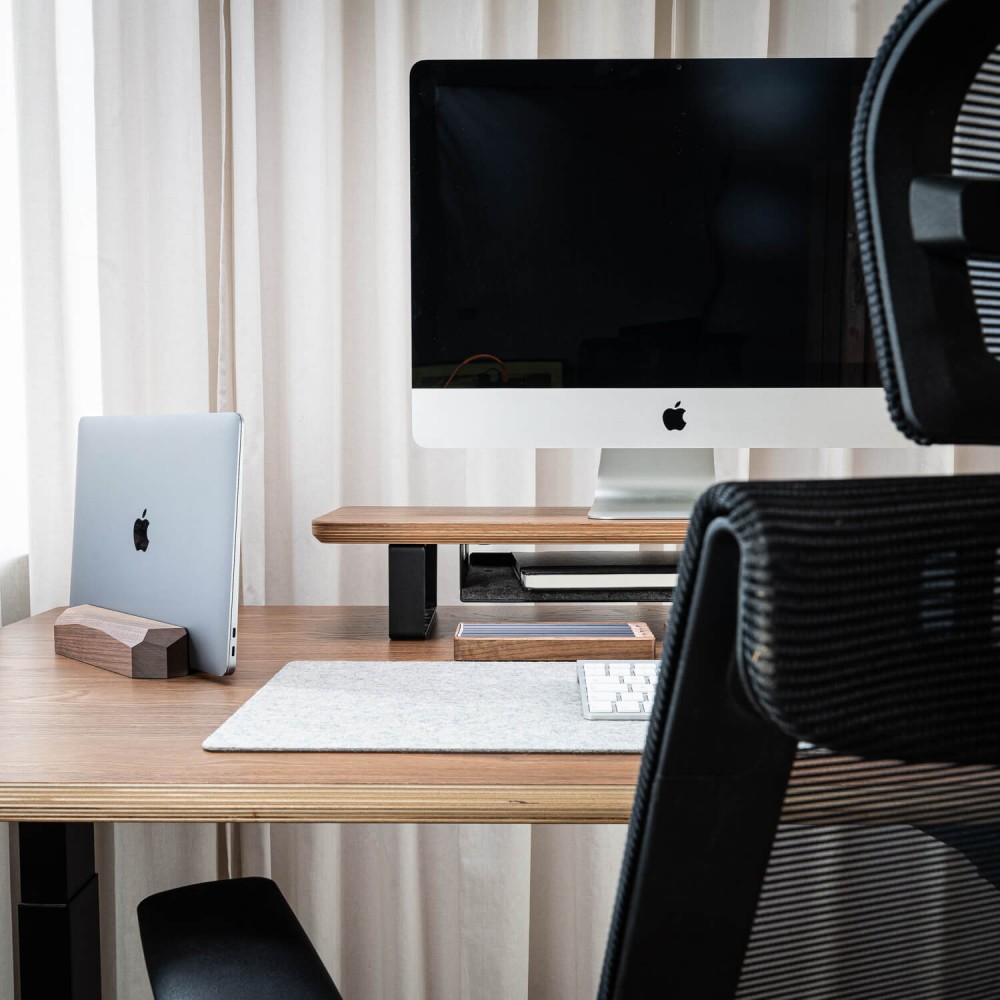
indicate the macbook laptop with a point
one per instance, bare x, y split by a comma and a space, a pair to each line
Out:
157, 524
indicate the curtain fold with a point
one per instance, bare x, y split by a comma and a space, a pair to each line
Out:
213, 214
54, 162
150, 207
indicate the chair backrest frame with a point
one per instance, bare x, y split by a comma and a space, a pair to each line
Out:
941, 382
714, 773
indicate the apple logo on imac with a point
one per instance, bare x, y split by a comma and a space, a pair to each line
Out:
673, 418
139, 535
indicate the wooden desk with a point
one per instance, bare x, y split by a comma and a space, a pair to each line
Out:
80, 744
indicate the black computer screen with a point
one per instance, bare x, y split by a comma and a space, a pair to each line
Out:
636, 223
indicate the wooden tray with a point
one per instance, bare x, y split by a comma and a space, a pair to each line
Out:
554, 641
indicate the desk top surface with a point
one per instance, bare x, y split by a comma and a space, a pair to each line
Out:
81, 743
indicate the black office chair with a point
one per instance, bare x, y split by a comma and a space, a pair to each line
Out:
861, 618
818, 808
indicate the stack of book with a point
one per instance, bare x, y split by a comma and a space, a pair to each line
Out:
597, 570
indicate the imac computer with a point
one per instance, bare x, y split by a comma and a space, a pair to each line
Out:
653, 257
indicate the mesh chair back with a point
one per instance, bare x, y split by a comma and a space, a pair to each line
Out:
925, 166
881, 882
870, 624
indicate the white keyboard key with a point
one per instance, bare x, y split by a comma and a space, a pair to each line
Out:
629, 706
601, 706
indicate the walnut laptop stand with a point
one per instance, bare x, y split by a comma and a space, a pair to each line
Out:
127, 644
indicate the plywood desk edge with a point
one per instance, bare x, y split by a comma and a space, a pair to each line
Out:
286, 803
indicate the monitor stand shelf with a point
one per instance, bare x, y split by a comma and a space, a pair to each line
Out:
414, 533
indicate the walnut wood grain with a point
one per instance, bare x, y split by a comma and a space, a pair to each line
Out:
486, 525
127, 644
89, 745
640, 645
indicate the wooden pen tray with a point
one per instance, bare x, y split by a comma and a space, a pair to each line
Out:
554, 641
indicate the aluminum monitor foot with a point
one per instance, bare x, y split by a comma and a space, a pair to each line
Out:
647, 484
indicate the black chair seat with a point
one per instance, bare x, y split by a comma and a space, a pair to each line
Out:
236, 938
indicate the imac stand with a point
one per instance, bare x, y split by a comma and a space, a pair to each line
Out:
651, 483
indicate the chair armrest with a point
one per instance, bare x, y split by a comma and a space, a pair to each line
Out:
234, 938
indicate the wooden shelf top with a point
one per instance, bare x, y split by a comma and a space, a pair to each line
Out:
486, 525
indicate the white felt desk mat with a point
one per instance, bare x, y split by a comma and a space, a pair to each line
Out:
414, 706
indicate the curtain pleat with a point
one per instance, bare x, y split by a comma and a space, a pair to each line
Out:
150, 208
574, 875
247, 365
214, 215
721, 28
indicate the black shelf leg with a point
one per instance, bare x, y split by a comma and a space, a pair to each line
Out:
412, 590
58, 917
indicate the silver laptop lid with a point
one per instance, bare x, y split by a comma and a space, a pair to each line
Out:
156, 525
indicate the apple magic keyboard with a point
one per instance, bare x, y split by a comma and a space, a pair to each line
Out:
617, 690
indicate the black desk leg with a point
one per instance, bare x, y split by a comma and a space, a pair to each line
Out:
58, 918
412, 590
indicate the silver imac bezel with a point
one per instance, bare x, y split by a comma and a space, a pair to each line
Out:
836, 417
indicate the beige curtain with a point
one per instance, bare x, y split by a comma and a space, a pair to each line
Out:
211, 207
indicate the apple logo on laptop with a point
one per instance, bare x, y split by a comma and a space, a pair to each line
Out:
673, 419
139, 535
